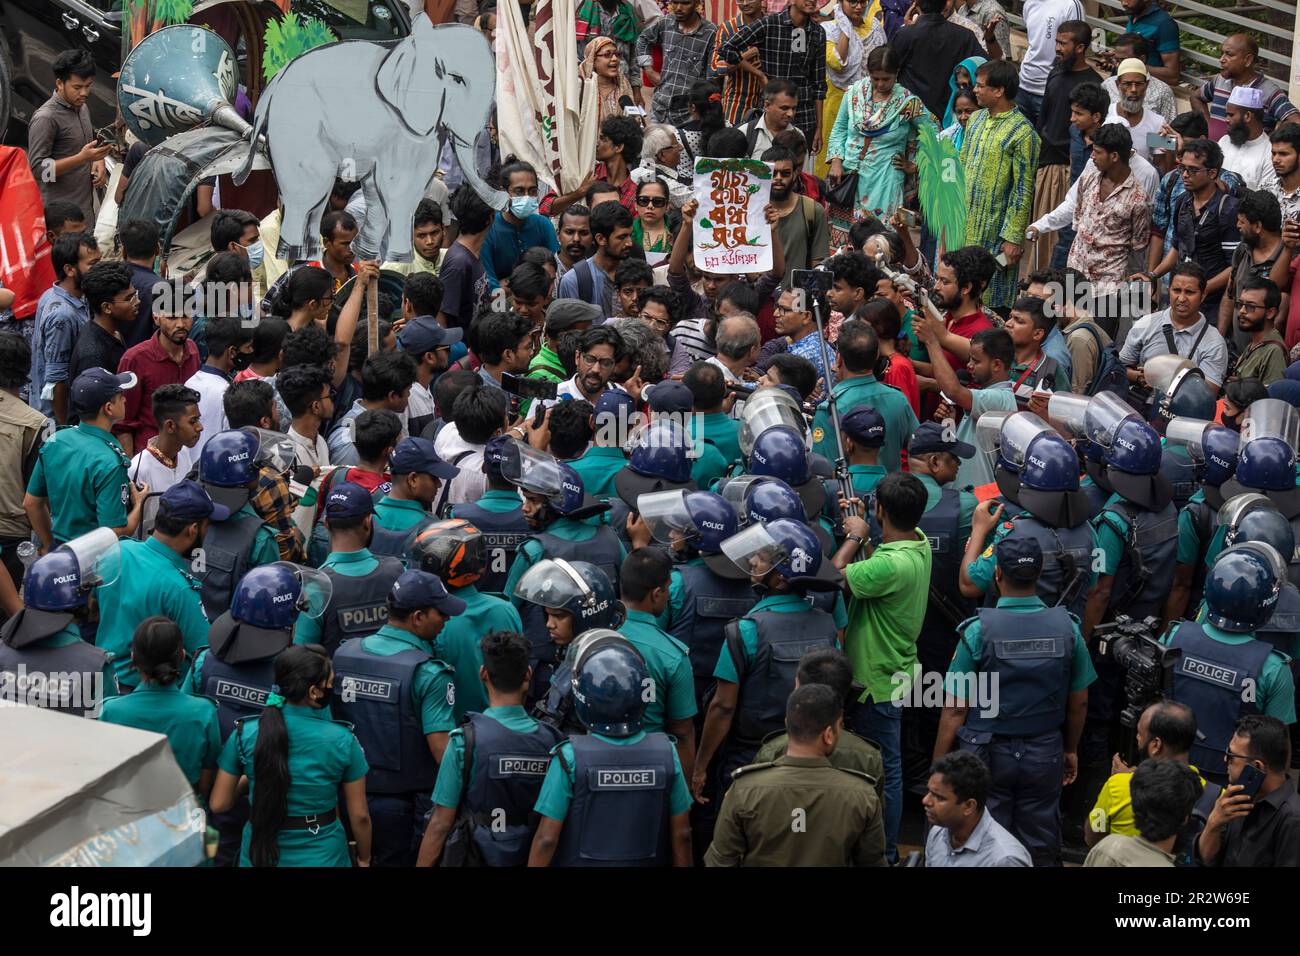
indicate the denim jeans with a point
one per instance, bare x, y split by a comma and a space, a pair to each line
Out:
1030, 104
883, 723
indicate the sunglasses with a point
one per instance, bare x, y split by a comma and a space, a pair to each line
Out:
657, 201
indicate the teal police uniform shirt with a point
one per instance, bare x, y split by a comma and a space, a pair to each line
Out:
189, 722
322, 755
72, 635
433, 693
350, 564
447, 791
779, 604
154, 579
458, 644
530, 552
1111, 530
708, 465
864, 478
668, 662
980, 571
1276, 697
966, 504
597, 467
557, 789
900, 420
1189, 539
396, 514
970, 648
264, 549
720, 430
82, 471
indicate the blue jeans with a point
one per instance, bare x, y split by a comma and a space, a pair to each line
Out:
883, 723
1030, 104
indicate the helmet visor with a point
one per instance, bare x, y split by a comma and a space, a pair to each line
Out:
753, 550
99, 557
533, 471
766, 408
1190, 432
1069, 411
988, 430
317, 589
275, 450
666, 514
1235, 508
1106, 412
735, 491
1018, 431
1271, 418
1164, 372
552, 583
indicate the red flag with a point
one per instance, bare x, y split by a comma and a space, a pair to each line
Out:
25, 266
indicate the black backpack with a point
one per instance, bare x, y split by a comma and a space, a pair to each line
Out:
1110, 375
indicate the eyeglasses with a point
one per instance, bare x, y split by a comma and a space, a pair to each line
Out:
605, 363
607, 55
1250, 307
662, 324
1190, 170
1229, 756
781, 310
657, 201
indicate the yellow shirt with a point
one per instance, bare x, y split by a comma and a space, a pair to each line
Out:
1114, 810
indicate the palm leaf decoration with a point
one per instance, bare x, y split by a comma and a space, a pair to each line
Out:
172, 11
291, 36
941, 187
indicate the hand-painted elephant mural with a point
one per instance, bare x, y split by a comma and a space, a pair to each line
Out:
374, 113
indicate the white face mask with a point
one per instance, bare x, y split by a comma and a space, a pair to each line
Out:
524, 206
256, 253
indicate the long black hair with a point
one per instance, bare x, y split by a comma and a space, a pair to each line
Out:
158, 650
706, 97
297, 668
302, 285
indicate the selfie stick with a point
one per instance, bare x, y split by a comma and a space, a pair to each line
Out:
841, 463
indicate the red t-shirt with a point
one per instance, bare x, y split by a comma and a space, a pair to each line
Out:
967, 326
901, 374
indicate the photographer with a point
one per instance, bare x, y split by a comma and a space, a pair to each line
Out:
1164, 793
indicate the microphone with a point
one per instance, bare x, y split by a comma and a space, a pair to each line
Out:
630, 108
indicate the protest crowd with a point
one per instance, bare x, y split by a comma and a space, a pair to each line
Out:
974, 497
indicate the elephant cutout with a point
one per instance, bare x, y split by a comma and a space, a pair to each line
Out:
374, 112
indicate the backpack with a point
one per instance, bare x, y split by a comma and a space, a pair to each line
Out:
1110, 375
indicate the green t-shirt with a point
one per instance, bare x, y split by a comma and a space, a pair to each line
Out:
997, 397
668, 662
893, 406
82, 471
399, 514
889, 593
557, 789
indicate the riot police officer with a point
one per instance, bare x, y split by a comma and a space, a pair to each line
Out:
572, 597
228, 472
1026, 719
360, 580
492, 770
499, 515
44, 638
456, 552
660, 460
418, 475
237, 668
612, 418
757, 664
1224, 671
1213, 452
615, 796
1266, 463
1178, 391
399, 697
1038, 474
563, 518
706, 589
673, 403
864, 429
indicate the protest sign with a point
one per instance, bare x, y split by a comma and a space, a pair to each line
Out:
730, 234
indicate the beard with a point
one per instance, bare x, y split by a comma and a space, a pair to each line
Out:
1132, 104
1238, 135
780, 195
1250, 239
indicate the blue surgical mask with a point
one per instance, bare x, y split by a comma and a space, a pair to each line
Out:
255, 254
524, 206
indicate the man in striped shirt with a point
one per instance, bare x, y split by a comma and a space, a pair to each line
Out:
743, 82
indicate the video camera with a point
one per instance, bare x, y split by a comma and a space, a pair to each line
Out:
812, 281
1148, 671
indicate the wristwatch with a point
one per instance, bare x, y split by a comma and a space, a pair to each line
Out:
856, 537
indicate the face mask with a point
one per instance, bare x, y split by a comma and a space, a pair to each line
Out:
326, 699
524, 206
255, 254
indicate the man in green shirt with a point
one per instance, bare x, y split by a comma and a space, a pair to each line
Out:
80, 481
889, 588
1265, 356
708, 386
670, 707
611, 421
155, 578
857, 350
471, 773
418, 474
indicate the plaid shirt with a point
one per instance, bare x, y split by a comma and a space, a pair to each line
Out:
788, 53
275, 505
686, 62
